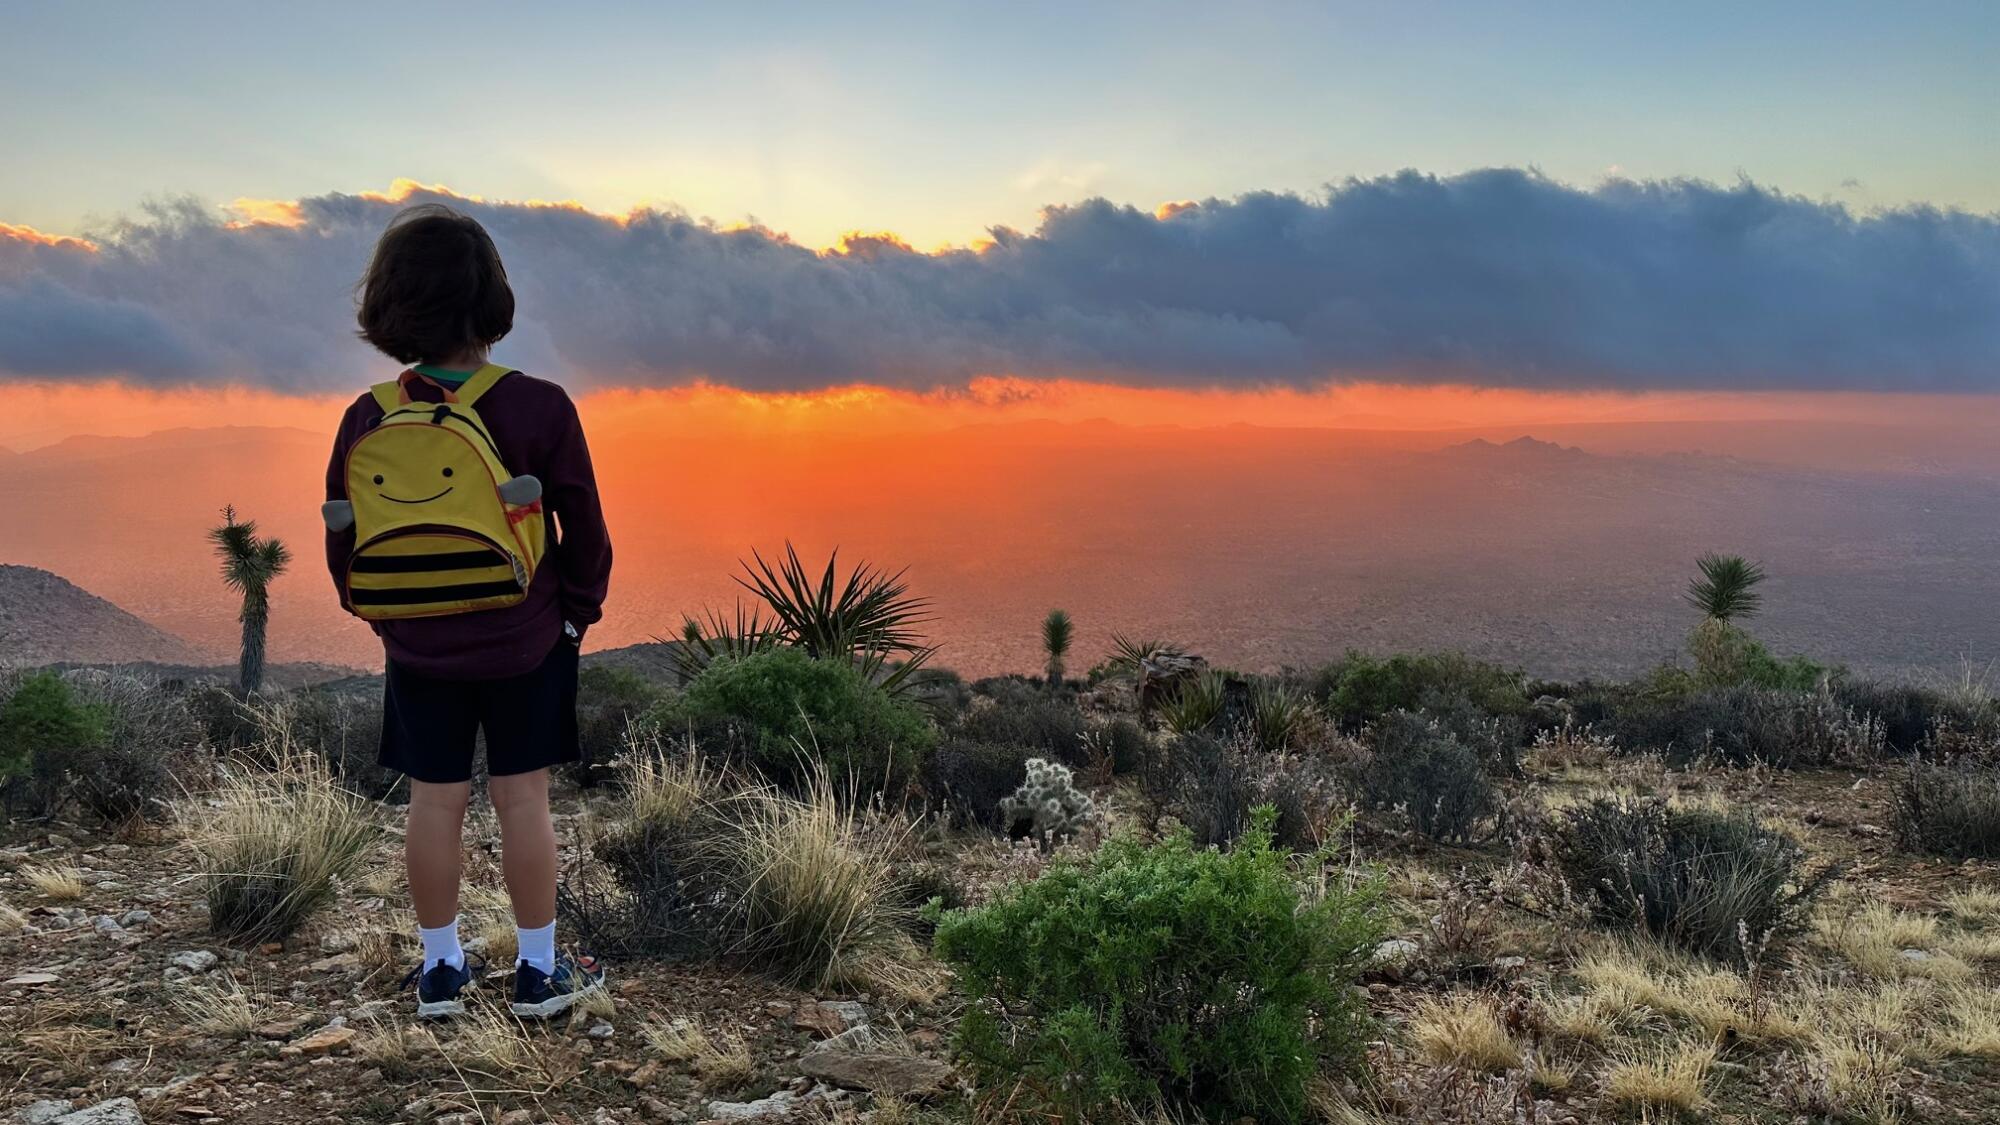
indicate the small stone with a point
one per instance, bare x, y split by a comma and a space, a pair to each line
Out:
1395, 951
57, 840
282, 1029
136, 918
1915, 955
342, 942
335, 963
777, 1007
117, 1111
43, 1112
517, 1117
777, 1105
327, 1040
107, 925
1509, 964
644, 1076
601, 1030
33, 978
893, 1076
194, 960
271, 948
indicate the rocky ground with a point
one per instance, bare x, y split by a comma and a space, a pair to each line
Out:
120, 1007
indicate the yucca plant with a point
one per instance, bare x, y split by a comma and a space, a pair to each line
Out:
250, 564
868, 618
1057, 632
1278, 712
704, 642
1197, 704
1726, 588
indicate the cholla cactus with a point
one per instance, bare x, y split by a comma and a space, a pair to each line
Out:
1049, 800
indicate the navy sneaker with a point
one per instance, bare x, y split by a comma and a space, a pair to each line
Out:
539, 995
438, 988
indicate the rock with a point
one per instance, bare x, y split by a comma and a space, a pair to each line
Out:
1916, 955
136, 918
33, 978
342, 942
1395, 951
892, 1076
517, 1117
42, 1112
1509, 964
338, 961
601, 1030
828, 1018
373, 1010
282, 1029
58, 841
271, 948
326, 1040
779, 1104
853, 1039
117, 1111
194, 960
107, 925
644, 1076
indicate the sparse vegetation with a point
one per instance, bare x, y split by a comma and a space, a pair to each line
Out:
1950, 807
1417, 768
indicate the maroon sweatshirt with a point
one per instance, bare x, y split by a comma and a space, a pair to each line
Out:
535, 426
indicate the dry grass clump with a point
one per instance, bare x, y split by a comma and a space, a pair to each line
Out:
720, 1060
1882, 942
11, 920
813, 892
490, 914
216, 1006
395, 1048
1970, 1025
55, 882
1669, 1076
491, 1043
1977, 906
271, 843
669, 790
1464, 1030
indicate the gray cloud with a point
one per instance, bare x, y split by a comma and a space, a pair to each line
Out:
1498, 277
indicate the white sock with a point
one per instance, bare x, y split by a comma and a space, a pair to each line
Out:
441, 944
538, 946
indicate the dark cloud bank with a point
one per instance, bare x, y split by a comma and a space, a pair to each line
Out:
1498, 277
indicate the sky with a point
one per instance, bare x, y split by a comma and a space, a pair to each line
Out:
1562, 199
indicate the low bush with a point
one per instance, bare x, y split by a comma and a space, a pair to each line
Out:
791, 715
269, 845
1497, 739
1909, 715
1359, 689
1716, 883
1727, 656
1213, 789
1415, 765
1171, 976
608, 699
1048, 805
1950, 808
1744, 725
1050, 728
1015, 690
108, 744
1128, 745
968, 780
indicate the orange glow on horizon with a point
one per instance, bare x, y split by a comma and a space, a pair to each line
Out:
34, 414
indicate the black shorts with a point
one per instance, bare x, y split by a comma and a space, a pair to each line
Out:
429, 726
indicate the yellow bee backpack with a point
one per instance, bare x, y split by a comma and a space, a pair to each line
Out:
440, 525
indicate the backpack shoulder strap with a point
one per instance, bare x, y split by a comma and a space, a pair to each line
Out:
388, 395
482, 381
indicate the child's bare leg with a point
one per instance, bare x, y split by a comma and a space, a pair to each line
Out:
431, 849
527, 846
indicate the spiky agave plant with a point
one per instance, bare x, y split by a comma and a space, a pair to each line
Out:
1278, 713
717, 637
249, 565
868, 618
1197, 704
1057, 632
1726, 589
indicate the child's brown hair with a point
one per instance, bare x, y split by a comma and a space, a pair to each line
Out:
435, 288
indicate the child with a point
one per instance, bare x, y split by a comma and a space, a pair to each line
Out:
436, 298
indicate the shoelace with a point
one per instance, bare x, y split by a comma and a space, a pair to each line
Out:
417, 973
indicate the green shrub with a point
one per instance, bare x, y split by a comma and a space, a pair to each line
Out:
1416, 765
1727, 656
1950, 808
1706, 881
788, 713
1359, 688
1051, 728
1189, 978
1910, 715
1129, 745
43, 716
1497, 739
106, 743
